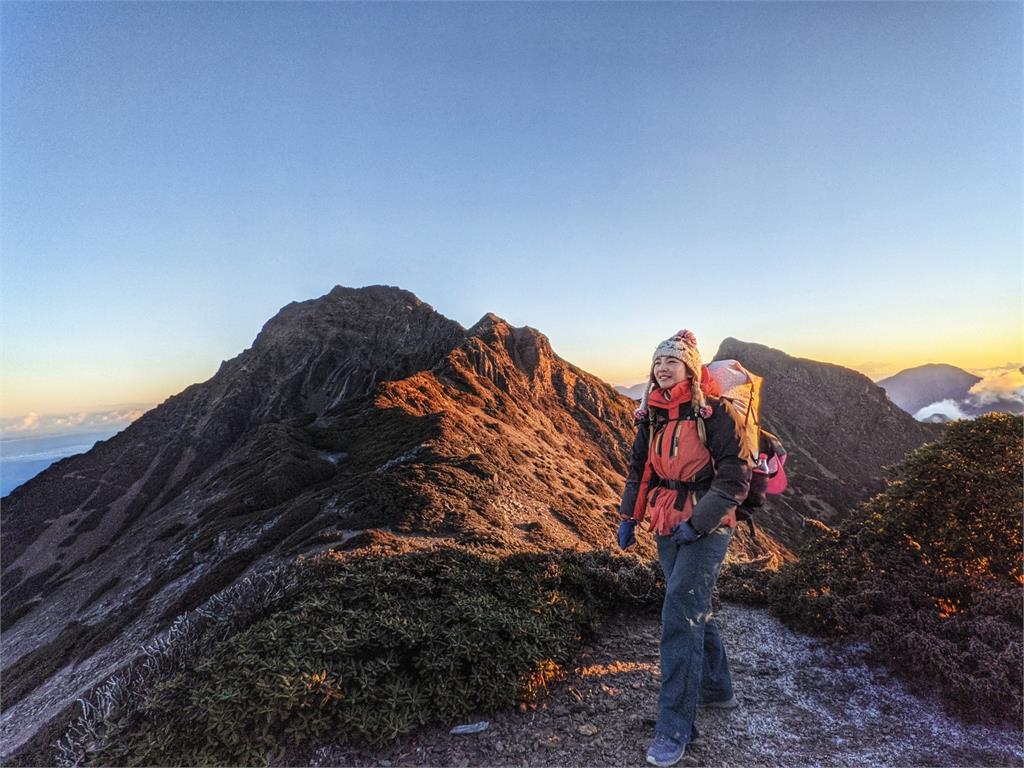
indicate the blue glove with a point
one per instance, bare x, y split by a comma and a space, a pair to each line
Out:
685, 533
627, 534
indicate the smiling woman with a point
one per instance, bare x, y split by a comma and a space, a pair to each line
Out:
687, 475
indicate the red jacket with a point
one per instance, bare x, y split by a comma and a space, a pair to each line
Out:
673, 477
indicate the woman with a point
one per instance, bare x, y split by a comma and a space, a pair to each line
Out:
686, 477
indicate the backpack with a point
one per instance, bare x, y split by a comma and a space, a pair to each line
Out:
763, 451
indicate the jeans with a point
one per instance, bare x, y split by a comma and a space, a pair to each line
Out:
693, 664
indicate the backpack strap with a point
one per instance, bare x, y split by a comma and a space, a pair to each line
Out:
742, 513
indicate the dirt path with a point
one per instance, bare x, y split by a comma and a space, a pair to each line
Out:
803, 703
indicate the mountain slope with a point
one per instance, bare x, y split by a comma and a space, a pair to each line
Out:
840, 430
360, 411
929, 572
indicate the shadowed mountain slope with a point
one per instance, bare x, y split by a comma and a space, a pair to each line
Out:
929, 572
307, 358
839, 427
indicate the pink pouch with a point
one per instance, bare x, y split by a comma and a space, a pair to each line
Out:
778, 483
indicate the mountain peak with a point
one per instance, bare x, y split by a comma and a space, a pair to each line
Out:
936, 367
377, 291
736, 349
489, 323
914, 388
528, 349
361, 310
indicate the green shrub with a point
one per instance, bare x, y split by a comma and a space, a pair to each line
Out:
369, 647
929, 572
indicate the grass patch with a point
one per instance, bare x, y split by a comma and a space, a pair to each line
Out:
213, 581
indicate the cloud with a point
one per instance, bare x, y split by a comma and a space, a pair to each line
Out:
1006, 383
1001, 389
29, 422
877, 370
948, 408
69, 423
72, 420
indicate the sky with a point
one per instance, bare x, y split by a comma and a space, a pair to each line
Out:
841, 181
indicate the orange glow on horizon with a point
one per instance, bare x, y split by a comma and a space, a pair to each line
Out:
876, 363
91, 390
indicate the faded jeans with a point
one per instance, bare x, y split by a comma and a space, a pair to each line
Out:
694, 668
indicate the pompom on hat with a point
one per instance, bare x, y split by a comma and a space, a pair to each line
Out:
683, 347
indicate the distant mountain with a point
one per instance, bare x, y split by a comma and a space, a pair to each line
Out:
634, 392
915, 388
361, 416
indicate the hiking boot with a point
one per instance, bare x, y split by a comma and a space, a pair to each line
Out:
665, 751
730, 703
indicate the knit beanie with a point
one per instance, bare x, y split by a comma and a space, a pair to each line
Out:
683, 347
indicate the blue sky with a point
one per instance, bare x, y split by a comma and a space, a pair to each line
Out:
841, 180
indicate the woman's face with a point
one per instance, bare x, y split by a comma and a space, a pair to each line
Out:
668, 371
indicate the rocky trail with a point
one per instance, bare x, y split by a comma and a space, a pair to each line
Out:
803, 702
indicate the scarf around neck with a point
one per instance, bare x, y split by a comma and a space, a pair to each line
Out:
682, 392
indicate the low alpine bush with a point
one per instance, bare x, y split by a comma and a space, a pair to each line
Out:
929, 572
369, 647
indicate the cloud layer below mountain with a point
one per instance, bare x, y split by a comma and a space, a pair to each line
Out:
1000, 389
33, 424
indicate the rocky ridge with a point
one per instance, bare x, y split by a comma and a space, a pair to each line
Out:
358, 415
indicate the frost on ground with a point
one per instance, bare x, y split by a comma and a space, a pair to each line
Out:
803, 702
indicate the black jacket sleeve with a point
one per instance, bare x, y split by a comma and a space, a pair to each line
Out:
732, 474
637, 463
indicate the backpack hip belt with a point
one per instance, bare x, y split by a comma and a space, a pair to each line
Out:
698, 488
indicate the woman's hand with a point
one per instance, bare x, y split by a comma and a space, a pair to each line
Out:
685, 533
